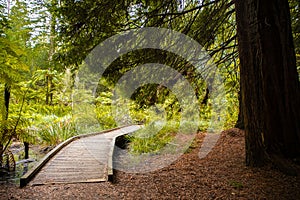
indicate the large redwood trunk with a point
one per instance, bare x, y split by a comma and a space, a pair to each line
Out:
250, 87
269, 80
280, 81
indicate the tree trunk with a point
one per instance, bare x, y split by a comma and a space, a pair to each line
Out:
250, 93
280, 79
49, 93
53, 22
269, 81
26, 150
240, 121
6, 101
4, 118
1, 154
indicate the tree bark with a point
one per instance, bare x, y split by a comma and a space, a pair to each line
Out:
6, 100
269, 81
280, 79
5, 117
240, 121
251, 101
1, 154
26, 150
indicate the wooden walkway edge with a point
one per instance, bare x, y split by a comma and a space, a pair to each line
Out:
95, 142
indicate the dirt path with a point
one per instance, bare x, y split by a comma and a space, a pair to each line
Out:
220, 175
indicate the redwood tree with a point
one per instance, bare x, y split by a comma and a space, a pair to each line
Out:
269, 81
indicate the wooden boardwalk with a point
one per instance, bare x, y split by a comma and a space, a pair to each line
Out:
82, 159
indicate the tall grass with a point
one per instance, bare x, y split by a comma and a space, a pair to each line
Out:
56, 129
154, 137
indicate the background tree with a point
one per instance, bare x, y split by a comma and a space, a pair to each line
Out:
211, 23
295, 18
12, 71
23, 52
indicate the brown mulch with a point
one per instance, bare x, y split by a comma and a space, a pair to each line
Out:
222, 174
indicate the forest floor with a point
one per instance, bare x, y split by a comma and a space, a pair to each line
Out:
222, 174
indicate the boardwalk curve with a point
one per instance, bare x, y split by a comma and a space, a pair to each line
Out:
86, 158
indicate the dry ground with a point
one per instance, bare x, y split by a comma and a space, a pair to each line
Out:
220, 175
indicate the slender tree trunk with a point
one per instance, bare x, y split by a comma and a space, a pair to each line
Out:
269, 82
6, 100
5, 117
206, 97
8, 7
49, 96
26, 150
1, 153
240, 121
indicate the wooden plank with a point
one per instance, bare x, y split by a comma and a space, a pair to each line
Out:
125, 130
30, 174
80, 159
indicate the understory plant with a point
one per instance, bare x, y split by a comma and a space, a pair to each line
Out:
53, 129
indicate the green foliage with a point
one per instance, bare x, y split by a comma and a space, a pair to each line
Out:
15, 124
295, 21
232, 110
19, 23
211, 24
36, 91
52, 129
47, 87
12, 67
156, 135
104, 110
151, 139
79, 35
236, 185
3, 20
